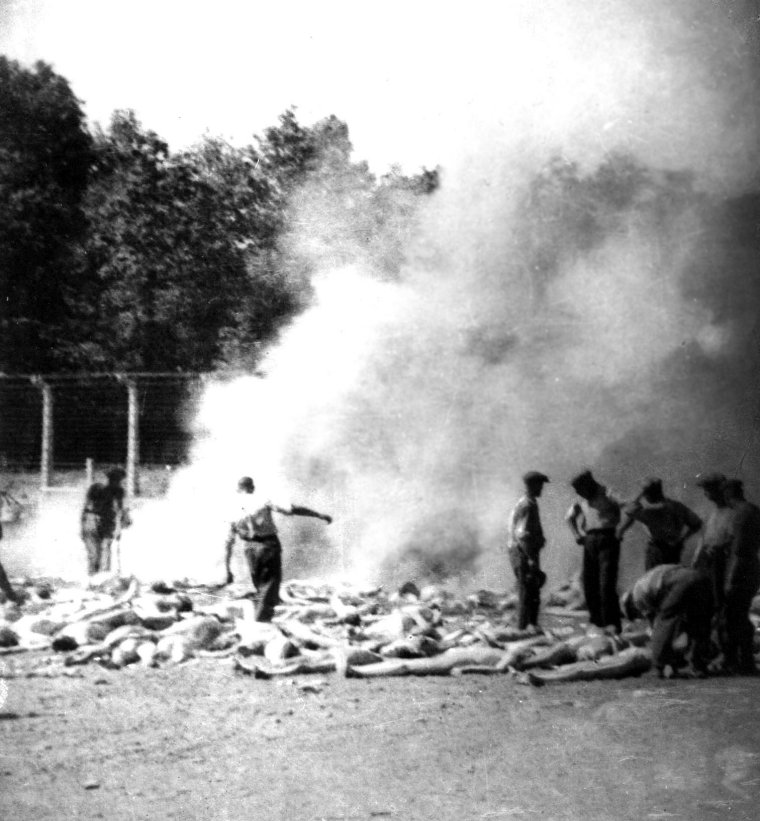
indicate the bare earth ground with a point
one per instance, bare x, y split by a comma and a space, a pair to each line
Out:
199, 742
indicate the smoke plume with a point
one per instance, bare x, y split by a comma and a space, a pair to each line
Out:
580, 292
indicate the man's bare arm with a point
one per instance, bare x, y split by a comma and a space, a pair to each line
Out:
228, 545
299, 510
572, 518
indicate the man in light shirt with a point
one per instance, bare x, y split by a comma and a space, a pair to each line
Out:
593, 522
526, 539
256, 529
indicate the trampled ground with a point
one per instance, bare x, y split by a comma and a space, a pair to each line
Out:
197, 741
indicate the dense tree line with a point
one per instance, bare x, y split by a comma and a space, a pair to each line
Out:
117, 254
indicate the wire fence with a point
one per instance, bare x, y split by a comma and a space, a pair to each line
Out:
89, 419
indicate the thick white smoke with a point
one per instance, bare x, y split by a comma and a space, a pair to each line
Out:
409, 409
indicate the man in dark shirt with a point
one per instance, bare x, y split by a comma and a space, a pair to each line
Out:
742, 579
103, 516
526, 539
593, 522
668, 522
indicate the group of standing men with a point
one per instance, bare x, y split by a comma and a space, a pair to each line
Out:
711, 598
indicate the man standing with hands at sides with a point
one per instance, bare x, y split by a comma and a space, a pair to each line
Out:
742, 580
712, 554
593, 522
668, 522
255, 527
526, 539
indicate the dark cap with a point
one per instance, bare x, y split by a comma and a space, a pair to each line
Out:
711, 481
246, 483
584, 481
116, 474
534, 477
651, 483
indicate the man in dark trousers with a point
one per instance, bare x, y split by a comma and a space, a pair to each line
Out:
526, 539
742, 579
255, 527
668, 522
593, 522
103, 517
675, 599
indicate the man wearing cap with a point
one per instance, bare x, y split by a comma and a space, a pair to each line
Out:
593, 522
526, 539
742, 580
255, 528
103, 516
668, 522
675, 599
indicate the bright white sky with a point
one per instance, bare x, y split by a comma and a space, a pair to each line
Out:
418, 82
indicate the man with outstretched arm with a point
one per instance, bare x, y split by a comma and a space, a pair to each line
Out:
526, 539
593, 521
668, 522
256, 529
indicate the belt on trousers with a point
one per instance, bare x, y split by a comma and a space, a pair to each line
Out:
601, 531
260, 539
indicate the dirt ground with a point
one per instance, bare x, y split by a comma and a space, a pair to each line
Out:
200, 742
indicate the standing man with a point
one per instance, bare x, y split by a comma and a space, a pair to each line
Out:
255, 527
674, 599
742, 580
712, 554
103, 517
593, 522
668, 522
526, 539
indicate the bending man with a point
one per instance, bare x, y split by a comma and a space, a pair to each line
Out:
674, 599
255, 527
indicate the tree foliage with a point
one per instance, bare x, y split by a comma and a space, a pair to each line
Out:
117, 254
45, 156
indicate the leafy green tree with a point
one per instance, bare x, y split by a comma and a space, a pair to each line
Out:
45, 156
164, 272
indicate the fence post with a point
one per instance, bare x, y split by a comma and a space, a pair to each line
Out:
46, 456
89, 471
133, 437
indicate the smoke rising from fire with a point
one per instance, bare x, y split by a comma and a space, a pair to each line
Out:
408, 409
524, 331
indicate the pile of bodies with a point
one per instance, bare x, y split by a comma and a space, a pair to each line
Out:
318, 628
